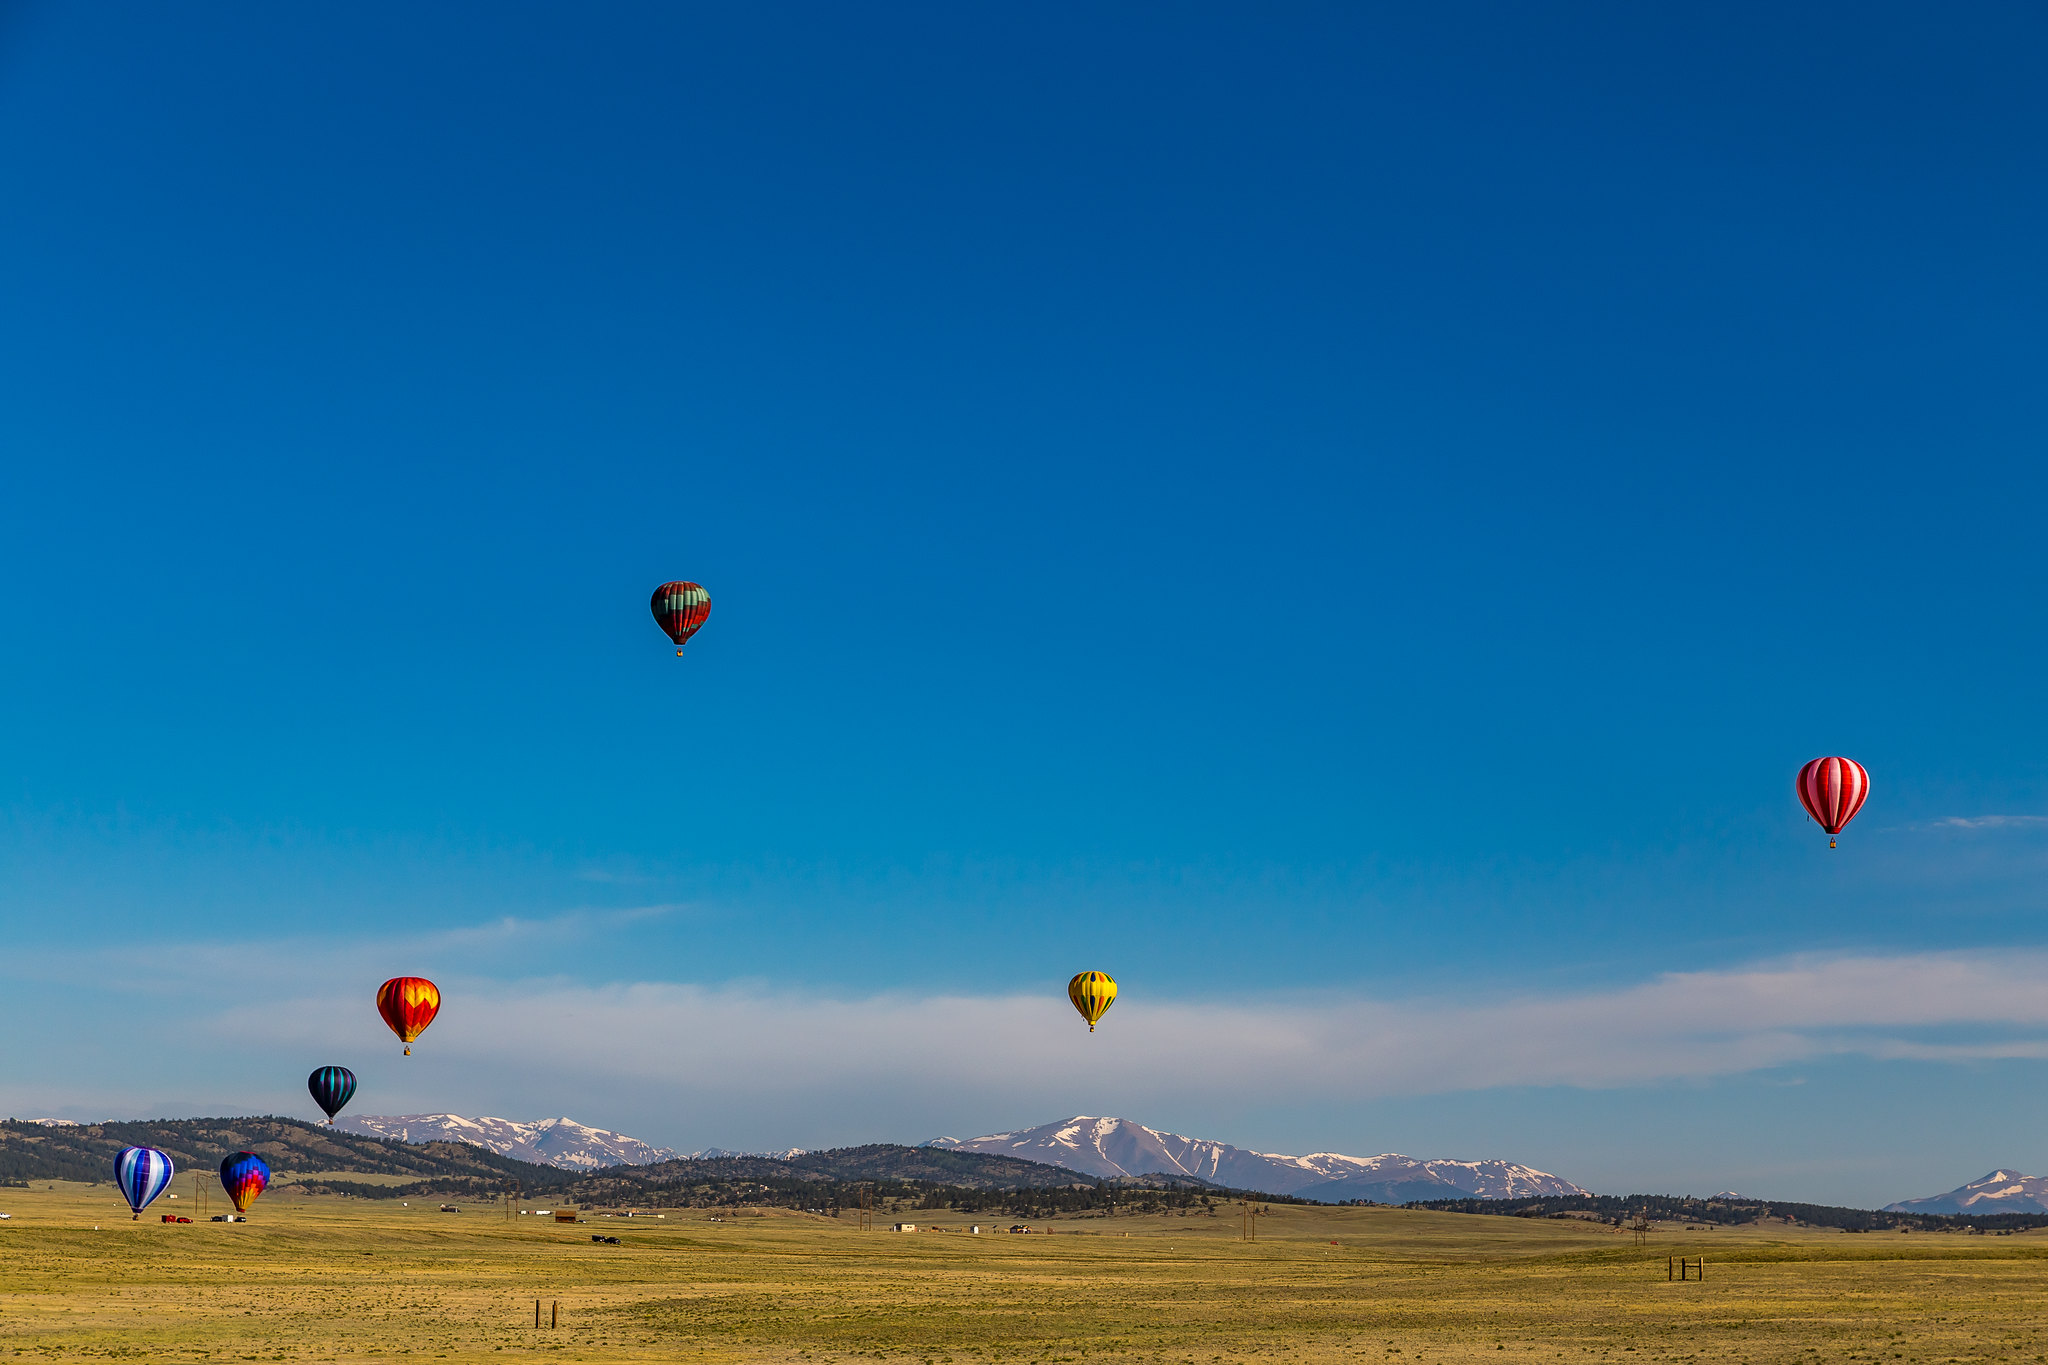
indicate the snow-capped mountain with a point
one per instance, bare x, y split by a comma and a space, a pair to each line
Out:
1113, 1147
1999, 1192
549, 1142
716, 1153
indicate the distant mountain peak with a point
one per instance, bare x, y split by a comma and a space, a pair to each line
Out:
727, 1153
1113, 1147
2001, 1191
548, 1142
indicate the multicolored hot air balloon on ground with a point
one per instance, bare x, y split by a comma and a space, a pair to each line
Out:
408, 1004
1092, 993
680, 608
244, 1176
332, 1086
1832, 790
142, 1173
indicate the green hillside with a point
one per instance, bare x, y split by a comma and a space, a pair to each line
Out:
807, 1179
324, 1162
33, 1151
969, 1170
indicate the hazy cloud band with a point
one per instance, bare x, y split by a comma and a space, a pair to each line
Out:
649, 1051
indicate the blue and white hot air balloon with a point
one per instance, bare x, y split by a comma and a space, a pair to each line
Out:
143, 1173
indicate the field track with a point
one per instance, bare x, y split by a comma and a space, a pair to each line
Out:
362, 1281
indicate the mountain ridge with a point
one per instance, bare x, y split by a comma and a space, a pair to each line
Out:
1111, 1148
2001, 1191
560, 1142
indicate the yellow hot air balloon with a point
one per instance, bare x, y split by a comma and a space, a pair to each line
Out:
1092, 994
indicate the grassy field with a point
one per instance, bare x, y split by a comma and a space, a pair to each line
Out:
333, 1279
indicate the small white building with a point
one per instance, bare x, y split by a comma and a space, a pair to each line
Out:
906, 1227
975, 1228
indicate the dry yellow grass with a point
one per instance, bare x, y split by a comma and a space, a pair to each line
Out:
360, 1281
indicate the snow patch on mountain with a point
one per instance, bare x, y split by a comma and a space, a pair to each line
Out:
547, 1142
719, 1153
1111, 1147
2002, 1191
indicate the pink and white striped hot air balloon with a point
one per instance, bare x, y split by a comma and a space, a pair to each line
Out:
1832, 790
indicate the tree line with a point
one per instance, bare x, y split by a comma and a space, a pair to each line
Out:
1669, 1208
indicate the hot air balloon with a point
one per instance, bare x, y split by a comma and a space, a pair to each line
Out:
408, 1004
244, 1176
680, 608
142, 1173
1832, 790
333, 1086
1092, 993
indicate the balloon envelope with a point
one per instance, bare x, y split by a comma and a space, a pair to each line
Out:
680, 608
244, 1176
1833, 790
408, 1004
1092, 994
331, 1087
142, 1173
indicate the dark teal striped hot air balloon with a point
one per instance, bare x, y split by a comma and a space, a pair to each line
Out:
332, 1086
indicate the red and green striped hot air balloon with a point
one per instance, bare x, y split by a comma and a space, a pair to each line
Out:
680, 608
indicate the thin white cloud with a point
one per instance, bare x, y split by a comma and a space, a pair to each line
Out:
752, 1039
576, 924
1989, 822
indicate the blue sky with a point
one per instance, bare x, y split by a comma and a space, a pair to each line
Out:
1347, 519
